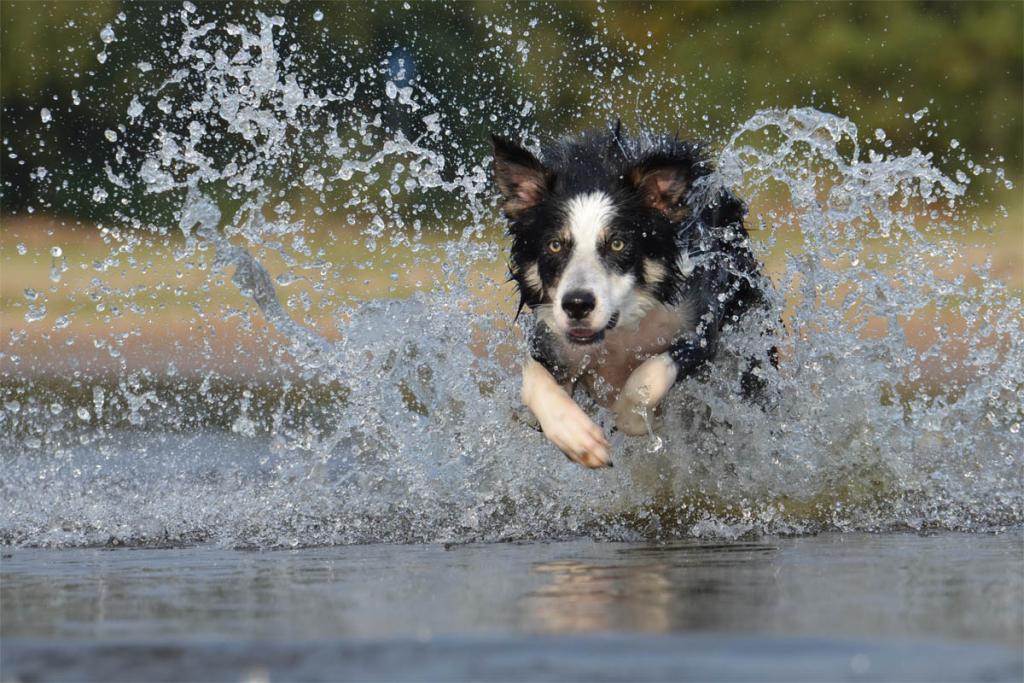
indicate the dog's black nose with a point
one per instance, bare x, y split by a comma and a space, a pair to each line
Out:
578, 304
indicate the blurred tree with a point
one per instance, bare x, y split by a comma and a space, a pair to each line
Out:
699, 67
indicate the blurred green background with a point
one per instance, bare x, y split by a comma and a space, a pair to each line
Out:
876, 62
128, 312
946, 78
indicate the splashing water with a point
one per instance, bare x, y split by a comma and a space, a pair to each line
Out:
896, 403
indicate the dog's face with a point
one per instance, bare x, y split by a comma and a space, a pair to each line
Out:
594, 237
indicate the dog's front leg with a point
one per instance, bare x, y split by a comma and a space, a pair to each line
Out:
651, 381
564, 423
644, 389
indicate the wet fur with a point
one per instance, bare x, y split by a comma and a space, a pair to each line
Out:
685, 272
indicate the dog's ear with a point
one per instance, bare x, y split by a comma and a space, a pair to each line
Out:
520, 177
662, 182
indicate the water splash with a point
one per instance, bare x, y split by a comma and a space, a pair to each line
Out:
896, 404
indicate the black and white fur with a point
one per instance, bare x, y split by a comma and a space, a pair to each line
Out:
632, 266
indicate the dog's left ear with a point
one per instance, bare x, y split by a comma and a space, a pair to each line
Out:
521, 178
662, 182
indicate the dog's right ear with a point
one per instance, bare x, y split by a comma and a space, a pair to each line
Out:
522, 179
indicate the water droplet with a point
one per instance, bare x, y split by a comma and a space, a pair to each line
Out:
135, 109
56, 252
35, 313
22, 249
44, 115
83, 414
97, 401
318, 16
110, 135
107, 34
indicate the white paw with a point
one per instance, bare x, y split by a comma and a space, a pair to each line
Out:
643, 391
576, 435
631, 418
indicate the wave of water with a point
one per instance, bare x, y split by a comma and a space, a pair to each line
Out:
896, 404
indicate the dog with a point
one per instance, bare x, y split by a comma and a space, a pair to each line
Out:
632, 263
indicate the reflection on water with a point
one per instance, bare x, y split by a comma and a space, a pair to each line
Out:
834, 585
656, 589
953, 586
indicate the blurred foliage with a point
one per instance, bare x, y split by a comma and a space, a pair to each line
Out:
877, 63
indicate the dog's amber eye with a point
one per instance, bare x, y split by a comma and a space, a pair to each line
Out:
617, 245
555, 246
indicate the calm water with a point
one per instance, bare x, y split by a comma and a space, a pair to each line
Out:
834, 606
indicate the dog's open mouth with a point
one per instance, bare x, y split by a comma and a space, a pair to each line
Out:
586, 335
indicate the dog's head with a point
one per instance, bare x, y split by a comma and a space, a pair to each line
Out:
594, 227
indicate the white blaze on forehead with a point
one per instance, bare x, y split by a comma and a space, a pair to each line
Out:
587, 220
589, 216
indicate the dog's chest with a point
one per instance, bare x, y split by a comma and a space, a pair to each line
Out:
604, 369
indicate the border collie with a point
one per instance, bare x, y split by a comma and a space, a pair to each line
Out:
632, 267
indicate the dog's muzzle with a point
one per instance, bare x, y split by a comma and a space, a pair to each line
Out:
584, 335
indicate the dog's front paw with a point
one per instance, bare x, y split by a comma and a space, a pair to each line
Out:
631, 417
643, 391
576, 435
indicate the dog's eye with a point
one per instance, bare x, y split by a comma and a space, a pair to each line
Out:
617, 244
555, 246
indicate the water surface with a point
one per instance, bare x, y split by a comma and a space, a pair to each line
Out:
859, 606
